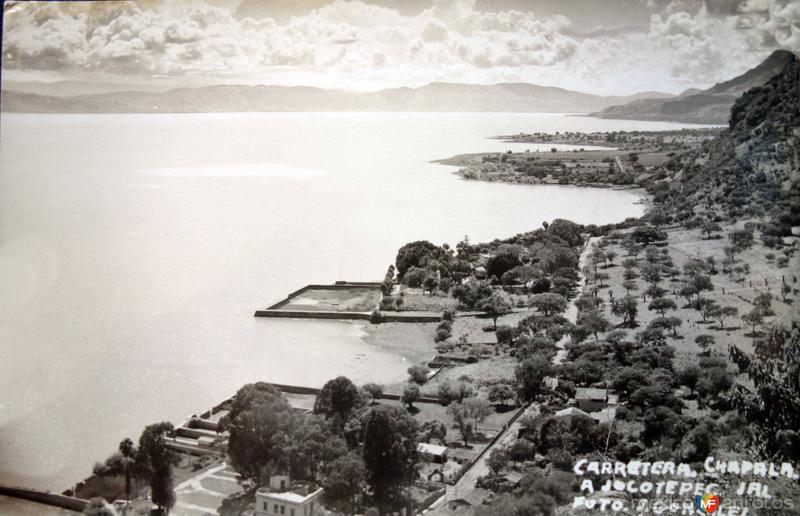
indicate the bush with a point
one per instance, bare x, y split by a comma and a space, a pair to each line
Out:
376, 317
442, 334
505, 334
449, 315
418, 374
373, 389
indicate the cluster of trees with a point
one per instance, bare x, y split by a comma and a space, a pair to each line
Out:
360, 452
426, 265
151, 461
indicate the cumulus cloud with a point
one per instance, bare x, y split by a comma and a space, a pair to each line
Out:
364, 45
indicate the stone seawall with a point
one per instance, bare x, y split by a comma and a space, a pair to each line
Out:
350, 316
44, 497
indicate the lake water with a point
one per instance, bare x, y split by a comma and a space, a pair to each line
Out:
135, 248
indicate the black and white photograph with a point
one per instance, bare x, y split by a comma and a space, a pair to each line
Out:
400, 257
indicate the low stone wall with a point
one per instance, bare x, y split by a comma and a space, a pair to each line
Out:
296, 389
52, 499
357, 316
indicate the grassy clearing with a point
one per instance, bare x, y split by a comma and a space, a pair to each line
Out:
414, 300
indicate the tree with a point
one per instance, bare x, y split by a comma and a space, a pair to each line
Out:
410, 395
504, 334
501, 393
672, 323
497, 461
312, 442
413, 255
530, 375
661, 305
337, 397
471, 292
627, 308
260, 422
430, 284
463, 421
772, 406
415, 277
501, 263
707, 307
344, 481
710, 228
610, 255
690, 376
375, 390
742, 239
128, 452
704, 341
723, 312
566, 230
390, 453
647, 235
753, 318
494, 306
651, 273
433, 431
629, 379
418, 374
763, 302
155, 460
593, 322
548, 303
716, 377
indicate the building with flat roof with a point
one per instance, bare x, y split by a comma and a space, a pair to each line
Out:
286, 498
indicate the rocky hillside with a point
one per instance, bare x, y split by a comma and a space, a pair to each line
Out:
751, 170
710, 106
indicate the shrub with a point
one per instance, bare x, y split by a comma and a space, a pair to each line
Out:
376, 317
505, 334
418, 374
442, 334
373, 389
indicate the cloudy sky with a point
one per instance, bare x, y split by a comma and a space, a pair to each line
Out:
604, 47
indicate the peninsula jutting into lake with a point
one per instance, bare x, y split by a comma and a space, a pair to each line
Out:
493, 257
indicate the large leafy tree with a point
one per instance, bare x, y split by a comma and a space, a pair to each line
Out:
548, 303
337, 397
344, 481
494, 306
417, 254
530, 375
390, 453
313, 444
261, 423
155, 461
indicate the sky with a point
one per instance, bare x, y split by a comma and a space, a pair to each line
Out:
597, 46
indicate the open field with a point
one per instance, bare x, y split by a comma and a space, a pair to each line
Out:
728, 291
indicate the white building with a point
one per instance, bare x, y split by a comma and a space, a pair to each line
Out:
286, 498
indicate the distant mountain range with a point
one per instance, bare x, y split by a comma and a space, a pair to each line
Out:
710, 106
441, 97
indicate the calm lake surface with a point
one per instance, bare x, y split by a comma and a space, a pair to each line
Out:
135, 248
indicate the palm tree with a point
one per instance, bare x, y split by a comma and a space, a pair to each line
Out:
127, 450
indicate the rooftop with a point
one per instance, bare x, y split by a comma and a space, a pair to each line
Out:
298, 492
432, 449
589, 393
